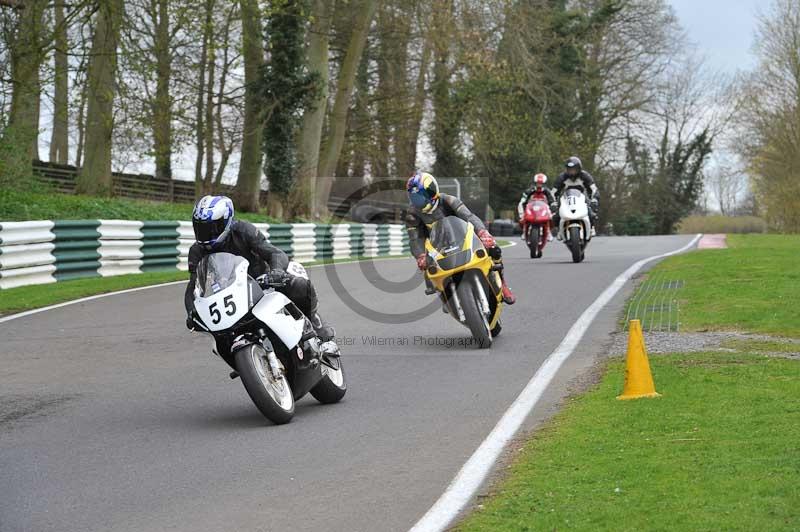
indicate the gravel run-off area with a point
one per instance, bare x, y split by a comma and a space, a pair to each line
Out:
671, 342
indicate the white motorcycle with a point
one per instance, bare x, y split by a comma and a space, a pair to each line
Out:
264, 337
575, 226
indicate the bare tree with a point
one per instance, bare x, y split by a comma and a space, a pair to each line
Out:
344, 92
726, 183
248, 184
59, 140
95, 176
310, 135
770, 116
27, 51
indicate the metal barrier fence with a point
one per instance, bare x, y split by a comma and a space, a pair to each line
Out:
62, 178
137, 186
45, 251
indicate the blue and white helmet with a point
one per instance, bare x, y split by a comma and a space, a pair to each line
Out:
212, 219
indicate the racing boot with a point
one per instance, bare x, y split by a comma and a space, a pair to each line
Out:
508, 296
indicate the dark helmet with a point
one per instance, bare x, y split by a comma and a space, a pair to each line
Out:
574, 162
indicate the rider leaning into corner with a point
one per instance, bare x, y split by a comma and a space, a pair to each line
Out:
575, 177
428, 205
216, 230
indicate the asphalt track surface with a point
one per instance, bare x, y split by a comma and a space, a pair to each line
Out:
114, 417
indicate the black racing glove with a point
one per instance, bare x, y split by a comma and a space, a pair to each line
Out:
277, 278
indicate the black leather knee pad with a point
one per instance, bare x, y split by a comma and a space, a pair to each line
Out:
303, 294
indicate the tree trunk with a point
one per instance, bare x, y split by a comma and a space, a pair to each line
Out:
95, 176
386, 90
59, 141
81, 120
224, 150
446, 114
248, 183
209, 120
26, 54
407, 142
405, 129
360, 123
314, 117
344, 91
208, 26
162, 105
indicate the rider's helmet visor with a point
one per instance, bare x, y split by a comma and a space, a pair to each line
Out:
419, 198
207, 231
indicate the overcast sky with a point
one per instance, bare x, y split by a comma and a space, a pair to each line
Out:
722, 29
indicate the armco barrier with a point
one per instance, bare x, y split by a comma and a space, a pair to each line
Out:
39, 252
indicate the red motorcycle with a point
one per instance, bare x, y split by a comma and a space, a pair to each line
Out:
536, 224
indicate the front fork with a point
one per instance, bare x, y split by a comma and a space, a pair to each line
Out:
275, 365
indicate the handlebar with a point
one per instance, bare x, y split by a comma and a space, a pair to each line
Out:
274, 279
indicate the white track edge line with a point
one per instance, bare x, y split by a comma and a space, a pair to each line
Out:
472, 474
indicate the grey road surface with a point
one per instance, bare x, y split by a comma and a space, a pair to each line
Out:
113, 417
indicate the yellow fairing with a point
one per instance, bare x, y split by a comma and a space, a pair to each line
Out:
483, 264
440, 276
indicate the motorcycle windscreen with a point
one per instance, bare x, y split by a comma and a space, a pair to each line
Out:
217, 272
448, 237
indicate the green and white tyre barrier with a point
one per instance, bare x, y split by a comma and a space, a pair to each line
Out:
39, 252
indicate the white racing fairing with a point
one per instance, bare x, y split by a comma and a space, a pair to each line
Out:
271, 310
223, 305
574, 209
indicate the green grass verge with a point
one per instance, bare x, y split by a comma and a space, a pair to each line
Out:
30, 297
719, 451
39, 204
752, 286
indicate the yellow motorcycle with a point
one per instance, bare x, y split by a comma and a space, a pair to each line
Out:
466, 278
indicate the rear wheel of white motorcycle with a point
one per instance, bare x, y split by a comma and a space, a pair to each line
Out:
474, 316
273, 397
575, 244
533, 242
333, 386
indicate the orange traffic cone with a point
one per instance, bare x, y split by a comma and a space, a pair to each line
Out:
638, 379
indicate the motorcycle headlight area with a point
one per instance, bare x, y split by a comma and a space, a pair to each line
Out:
455, 260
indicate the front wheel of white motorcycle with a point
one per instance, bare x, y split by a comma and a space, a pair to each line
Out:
333, 386
576, 244
273, 396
